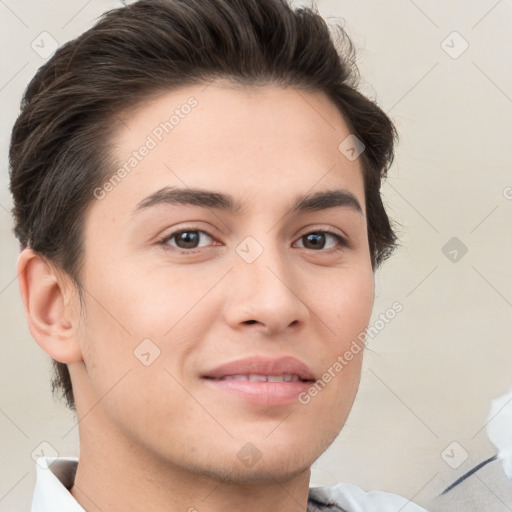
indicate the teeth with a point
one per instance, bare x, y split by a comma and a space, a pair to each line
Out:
263, 378
257, 378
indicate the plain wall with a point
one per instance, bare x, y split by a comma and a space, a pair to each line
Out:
431, 372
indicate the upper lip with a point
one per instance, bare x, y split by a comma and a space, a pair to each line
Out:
262, 366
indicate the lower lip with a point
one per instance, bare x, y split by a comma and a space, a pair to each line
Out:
262, 392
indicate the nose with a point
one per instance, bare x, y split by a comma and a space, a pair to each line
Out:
265, 294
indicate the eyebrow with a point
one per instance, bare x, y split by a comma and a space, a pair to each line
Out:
208, 199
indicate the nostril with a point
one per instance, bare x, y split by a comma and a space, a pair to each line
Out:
250, 322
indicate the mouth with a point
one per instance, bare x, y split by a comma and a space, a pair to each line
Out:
262, 378
261, 381
258, 368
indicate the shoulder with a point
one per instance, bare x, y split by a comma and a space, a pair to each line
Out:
484, 487
350, 498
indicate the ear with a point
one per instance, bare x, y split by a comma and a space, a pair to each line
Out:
51, 307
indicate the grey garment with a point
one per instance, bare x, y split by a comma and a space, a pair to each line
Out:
485, 490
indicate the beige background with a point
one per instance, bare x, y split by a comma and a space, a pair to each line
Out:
433, 369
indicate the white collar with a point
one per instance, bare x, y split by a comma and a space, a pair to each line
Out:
55, 476
351, 498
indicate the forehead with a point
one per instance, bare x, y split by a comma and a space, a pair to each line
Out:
263, 144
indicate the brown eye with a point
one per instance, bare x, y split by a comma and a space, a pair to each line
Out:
185, 239
317, 240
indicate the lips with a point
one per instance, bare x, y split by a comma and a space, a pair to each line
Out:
284, 369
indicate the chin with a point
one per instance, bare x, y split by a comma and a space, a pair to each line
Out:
263, 471
253, 463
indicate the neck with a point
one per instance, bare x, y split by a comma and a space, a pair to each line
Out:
116, 475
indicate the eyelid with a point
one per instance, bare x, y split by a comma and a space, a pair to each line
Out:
164, 239
343, 241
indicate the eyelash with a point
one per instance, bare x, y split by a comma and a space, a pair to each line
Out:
163, 241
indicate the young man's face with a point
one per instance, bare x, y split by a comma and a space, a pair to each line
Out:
162, 313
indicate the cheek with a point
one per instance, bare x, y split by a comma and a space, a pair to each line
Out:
134, 322
342, 312
126, 362
344, 304
129, 306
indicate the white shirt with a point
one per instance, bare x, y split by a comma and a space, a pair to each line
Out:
55, 476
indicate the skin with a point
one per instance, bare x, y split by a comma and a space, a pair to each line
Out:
160, 437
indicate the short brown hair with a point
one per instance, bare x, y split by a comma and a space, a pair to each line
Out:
59, 150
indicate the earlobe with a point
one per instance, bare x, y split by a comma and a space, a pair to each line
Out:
50, 314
